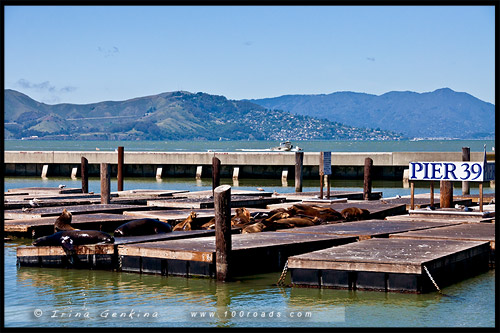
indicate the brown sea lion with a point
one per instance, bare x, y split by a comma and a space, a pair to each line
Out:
255, 227
324, 213
297, 222
140, 227
354, 213
63, 222
186, 224
242, 218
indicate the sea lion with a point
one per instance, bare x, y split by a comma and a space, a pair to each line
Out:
142, 227
354, 213
242, 217
186, 224
324, 213
69, 238
240, 220
293, 222
63, 222
255, 227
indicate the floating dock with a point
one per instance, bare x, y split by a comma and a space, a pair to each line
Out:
236, 201
250, 253
390, 264
19, 214
464, 232
37, 227
367, 229
95, 256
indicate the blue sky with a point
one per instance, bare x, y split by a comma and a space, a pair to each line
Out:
75, 54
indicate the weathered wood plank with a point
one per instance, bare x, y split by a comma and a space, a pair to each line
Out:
193, 203
81, 209
368, 228
350, 195
464, 231
384, 255
44, 190
38, 227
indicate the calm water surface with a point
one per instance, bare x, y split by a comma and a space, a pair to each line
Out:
52, 297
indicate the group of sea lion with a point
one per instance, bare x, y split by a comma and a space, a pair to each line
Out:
67, 236
298, 215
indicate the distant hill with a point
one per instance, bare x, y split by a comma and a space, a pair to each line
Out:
176, 115
441, 113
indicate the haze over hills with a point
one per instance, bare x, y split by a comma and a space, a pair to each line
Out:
176, 115
441, 113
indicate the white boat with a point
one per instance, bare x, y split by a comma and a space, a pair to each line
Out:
286, 146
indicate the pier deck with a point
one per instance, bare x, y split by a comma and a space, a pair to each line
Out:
390, 264
74, 210
465, 232
368, 228
250, 253
37, 227
95, 256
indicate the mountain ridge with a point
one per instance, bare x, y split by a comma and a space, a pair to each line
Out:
178, 115
440, 113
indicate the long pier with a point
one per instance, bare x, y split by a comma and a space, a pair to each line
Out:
345, 165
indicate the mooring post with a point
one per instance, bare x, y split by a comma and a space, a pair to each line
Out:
480, 196
105, 183
215, 173
445, 194
299, 161
412, 195
84, 167
120, 169
222, 206
321, 175
367, 183
432, 194
465, 158
327, 181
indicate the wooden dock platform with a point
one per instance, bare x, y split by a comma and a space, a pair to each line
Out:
423, 202
200, 203
37, 227
17, 214
349, 195
367, 229
95, 256
390, 264
250, 253
464, 231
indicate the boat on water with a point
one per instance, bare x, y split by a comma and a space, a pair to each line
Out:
286, 146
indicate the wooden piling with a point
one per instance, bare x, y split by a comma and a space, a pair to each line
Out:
299, 161
432, 193
412, 195
446, 194
85, 174
105, 183
120, 168
367, 183
321, 174
327, 181
465, 158
215, 173
222, 205
481, 197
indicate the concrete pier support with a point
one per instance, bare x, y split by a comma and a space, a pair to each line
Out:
159, 171
236, 173
45, 169
73, 173
199, 170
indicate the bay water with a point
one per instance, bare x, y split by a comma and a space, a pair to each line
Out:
53, 297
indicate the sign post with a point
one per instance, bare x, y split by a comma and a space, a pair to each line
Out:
325, 170
447, 172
